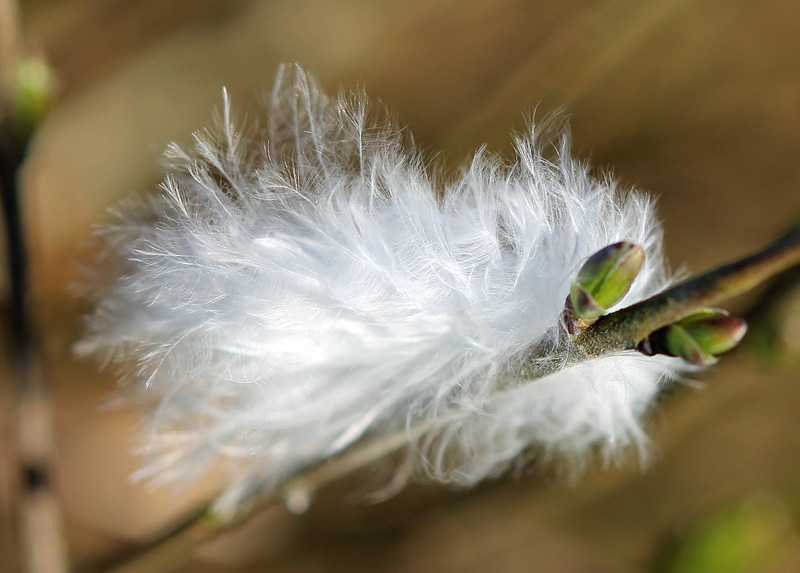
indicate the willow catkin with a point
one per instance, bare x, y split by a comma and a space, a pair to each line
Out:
293, 290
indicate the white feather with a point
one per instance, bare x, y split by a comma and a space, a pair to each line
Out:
289, 293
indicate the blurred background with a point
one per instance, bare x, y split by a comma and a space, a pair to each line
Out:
695, 102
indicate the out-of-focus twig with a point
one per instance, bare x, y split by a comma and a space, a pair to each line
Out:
33, 504
587, 50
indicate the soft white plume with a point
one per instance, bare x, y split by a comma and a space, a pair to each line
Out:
292, 291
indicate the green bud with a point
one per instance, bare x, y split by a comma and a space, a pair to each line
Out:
698, 338
35, 85
605, 278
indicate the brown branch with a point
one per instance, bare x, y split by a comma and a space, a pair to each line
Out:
621, 330
30, 463
626, 328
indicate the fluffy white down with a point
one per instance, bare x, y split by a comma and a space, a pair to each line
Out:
295, 289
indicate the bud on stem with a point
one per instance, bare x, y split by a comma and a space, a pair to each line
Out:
698, 338
603, 280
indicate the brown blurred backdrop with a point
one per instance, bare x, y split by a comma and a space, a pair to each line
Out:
697, 102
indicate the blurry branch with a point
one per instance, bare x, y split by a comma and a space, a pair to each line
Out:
25, 91
622, 330
169, 552
609, 33
8, 459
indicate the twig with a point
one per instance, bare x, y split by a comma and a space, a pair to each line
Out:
774, 318
36, 507
609, 33
616, 332
624, 329
174, 548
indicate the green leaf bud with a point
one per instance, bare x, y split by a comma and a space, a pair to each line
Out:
605, 278
698, 338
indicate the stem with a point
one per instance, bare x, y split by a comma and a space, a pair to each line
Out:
33, 502
621, 330
624, 329
594, 46
169, 552
175, 548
